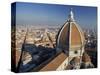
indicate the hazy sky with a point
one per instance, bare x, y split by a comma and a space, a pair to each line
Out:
53, 15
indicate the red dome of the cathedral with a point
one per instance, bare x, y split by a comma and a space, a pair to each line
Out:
70, 38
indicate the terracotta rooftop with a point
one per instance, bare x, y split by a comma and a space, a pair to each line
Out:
54, 64
86, 58
70, 35
75, 35
76, 59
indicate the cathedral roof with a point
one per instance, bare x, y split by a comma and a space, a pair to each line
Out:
54, 64
70, 34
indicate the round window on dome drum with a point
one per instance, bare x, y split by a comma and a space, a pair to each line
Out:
75, 52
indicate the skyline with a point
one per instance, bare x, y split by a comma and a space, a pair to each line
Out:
54, 15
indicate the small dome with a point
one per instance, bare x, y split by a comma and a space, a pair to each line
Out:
86, 58
75, 60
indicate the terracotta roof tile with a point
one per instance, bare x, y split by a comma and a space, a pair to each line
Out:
54, 64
